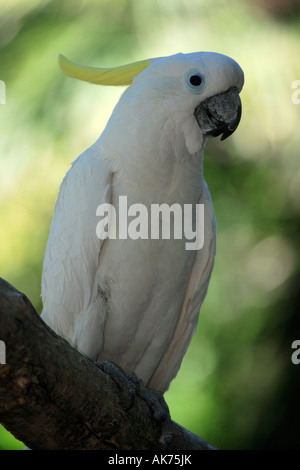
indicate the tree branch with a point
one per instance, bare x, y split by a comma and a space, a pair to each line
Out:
53, 397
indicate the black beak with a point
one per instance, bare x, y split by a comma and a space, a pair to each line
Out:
220, 114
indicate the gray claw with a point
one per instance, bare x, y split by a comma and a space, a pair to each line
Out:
125, 380
128, 383
161, 413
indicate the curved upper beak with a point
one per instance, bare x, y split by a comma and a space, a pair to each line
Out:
220, 114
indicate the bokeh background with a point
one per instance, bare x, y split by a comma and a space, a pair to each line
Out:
237, 387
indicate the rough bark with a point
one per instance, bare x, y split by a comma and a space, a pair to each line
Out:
53, 397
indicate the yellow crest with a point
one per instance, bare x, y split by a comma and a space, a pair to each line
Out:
116, 76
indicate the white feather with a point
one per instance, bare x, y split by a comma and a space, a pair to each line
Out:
71, 258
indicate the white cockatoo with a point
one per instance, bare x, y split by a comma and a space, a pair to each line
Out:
135, 301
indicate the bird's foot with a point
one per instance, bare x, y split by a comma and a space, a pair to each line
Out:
125, 380
130, 384
161, 413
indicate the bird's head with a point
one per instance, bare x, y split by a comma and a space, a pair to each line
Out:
180, 93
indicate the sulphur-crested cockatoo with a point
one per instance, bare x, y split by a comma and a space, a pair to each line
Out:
134, 300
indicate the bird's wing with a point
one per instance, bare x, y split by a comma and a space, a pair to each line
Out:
73, 248
194, 297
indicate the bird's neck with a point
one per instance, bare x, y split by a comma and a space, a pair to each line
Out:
157, 166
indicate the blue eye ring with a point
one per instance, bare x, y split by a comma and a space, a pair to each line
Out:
195, 81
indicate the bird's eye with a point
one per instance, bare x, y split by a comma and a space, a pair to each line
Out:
195, 80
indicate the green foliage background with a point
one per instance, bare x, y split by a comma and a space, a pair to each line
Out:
237, 387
